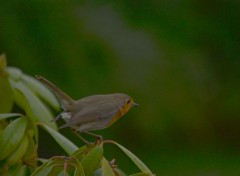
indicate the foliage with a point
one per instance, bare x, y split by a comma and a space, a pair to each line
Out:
178, 59
19, 134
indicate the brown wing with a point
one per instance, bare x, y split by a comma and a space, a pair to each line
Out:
92, 111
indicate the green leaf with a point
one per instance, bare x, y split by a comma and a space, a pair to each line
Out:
42, 160
14, 73
22, 171
55, 170
28, 111
66, 144
37, 109
62, 173
31, 153
92, 160
8, 115
79, 169
80, 152
134, 159
41, 90
58, 161
17, 155
6, 95
106, 168
43, 169
12, 136
16, 170
65, 166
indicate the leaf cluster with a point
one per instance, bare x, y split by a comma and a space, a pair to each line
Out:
19, 134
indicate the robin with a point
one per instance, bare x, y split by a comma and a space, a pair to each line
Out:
91, 113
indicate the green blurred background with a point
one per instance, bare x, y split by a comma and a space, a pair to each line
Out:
178, 59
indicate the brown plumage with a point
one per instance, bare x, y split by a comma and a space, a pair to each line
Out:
91, 113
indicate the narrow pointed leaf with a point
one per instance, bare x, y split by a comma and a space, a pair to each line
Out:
55, 170
31, 153
8, 115
79, 169
92, 160
22, 171
14, 73
41, 90
42, 160
66, 144
12, 136
58, 161
38, 110
106, 168
62, 174
43, 169
17, 155
80, 152
16, 170
134, 159
19, 95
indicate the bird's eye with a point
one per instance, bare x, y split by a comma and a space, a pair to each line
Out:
128, 101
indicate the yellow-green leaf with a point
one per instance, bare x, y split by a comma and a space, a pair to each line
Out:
38, 110
31, 153
41, 90
8, 115
43, 169
80, 152
17, 155
14, 73
106, 168
42, 160
28, 111
62, 173
16, 170
66, 144
22, 171
12, 136
79, 169
92, 160
134, 159
55, 169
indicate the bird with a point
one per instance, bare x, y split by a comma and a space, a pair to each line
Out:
95, 112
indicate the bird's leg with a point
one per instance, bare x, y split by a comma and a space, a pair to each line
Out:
80, 137
99, 137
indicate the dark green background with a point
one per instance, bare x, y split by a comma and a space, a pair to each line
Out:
178, 59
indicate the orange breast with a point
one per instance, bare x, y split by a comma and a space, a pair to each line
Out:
122, 111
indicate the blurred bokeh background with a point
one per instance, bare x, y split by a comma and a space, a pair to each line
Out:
178, 59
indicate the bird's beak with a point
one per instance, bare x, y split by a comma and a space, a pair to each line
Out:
135, 105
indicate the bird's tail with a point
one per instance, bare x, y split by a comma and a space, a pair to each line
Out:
64, 99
